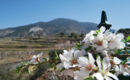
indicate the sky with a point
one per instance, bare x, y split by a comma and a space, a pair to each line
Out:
21, 12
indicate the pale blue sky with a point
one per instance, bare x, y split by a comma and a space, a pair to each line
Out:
20, 12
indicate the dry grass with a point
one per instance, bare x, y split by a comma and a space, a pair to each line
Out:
13, 52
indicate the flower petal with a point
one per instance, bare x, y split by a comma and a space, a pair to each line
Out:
117, 69
99, 63
102, 29
98, 76
67, 65
107, 78
91, 59
116, 60
106, 63
120, 36
78, 54
62, 58
126, 74
33, 61
112, 75
34, 57
40, 55
80, 75
83, 61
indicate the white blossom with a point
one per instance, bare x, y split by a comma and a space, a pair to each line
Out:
86, 66
102, 43
37, 59
69, 58
122, 69
115, 41
104, 68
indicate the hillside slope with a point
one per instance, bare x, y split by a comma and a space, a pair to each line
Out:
53, 27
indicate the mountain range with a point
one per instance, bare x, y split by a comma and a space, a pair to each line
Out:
53, 27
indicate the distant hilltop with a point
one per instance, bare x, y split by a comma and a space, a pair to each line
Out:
53, 27
126, 31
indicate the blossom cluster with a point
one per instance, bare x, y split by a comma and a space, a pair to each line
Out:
104, 42
93, 57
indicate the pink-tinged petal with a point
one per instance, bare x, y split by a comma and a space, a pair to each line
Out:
86, 70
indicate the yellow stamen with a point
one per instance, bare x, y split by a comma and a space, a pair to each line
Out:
76, 68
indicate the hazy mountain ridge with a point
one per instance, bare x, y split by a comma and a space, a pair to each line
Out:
52, 27
126, 31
